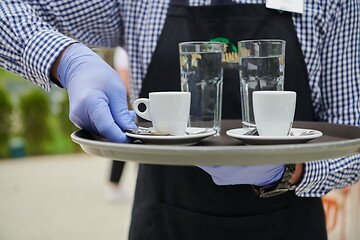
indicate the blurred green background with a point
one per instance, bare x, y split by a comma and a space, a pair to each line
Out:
33, 121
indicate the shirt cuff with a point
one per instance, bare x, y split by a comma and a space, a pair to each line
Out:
40, 53
315, 173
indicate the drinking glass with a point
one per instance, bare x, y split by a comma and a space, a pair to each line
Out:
202, 76
261, 67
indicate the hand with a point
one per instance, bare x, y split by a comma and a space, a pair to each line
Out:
98, 101
260, 175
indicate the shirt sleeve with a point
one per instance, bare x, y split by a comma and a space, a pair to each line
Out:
321, 177
34, 33
340, 94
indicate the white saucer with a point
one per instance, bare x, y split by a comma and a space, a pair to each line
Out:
174, 140
264, 140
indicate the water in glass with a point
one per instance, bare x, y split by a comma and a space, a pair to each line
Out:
201, 74
258, 74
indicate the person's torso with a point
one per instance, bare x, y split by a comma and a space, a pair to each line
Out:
143, 22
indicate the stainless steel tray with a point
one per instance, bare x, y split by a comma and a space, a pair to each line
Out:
337, 141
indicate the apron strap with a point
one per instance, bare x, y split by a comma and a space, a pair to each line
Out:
221, 2
180, 2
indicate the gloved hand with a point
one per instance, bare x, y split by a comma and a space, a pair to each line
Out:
260, 175
97, 95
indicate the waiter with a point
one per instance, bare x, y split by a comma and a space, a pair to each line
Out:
184, 202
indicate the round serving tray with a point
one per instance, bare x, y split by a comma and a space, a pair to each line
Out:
337, 141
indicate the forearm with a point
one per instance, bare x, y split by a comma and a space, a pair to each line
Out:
28, 45
339, 94
54, 68
34, 33
298, 174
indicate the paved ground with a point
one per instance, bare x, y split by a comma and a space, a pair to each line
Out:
61, 197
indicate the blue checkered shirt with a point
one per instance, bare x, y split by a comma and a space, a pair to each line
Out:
34, 32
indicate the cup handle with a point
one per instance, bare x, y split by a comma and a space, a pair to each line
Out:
145, 114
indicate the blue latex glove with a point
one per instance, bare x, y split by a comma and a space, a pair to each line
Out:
260, 175
97, 95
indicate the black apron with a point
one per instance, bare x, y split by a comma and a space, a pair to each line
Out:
174, 202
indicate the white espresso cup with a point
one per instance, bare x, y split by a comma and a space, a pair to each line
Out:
168, 111
274, 112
